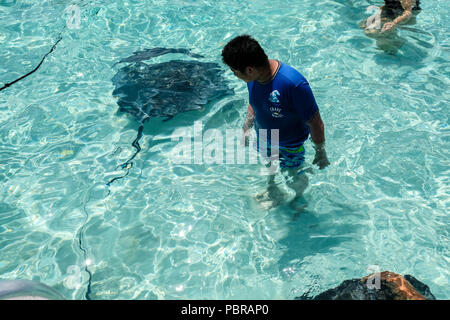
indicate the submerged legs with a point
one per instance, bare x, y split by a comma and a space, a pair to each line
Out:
296, 179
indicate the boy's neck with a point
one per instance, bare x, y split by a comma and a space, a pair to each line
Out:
269, 73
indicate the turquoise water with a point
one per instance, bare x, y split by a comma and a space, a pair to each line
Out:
170, 231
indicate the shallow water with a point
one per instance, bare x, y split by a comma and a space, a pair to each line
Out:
171, 231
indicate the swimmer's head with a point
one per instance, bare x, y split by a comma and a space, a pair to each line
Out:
243, 54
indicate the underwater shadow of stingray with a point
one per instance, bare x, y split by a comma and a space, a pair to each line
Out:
165, 89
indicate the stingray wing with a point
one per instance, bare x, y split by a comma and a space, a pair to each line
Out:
146, 54
168, 88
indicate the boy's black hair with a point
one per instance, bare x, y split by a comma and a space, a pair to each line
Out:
244, 51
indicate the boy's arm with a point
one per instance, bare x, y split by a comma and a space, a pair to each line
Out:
317, 130
248, 124
249, 120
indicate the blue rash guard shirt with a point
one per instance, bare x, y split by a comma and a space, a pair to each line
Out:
285, 103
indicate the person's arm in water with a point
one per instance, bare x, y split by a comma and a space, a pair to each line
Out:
248, 123
317, 131
407, 12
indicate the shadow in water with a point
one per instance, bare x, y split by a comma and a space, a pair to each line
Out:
212, 116
311, 233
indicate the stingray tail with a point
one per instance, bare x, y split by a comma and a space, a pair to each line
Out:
136, 145
129, 163
37, 67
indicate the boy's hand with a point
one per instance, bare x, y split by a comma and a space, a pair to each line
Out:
321, 156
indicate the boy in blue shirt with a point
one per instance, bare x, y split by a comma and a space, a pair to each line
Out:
280, 98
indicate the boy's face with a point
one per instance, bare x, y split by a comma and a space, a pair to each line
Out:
247, 76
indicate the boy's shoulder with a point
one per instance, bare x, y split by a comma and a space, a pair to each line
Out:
291, 76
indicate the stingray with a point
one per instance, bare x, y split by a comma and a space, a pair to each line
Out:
146, 91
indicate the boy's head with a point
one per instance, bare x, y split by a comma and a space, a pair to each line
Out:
243, 54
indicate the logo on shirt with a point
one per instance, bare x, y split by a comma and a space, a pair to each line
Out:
274, 96
275, 106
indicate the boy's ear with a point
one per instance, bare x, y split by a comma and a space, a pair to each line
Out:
249, 70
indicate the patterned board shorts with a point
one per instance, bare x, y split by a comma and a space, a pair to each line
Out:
292, 157
289, 157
